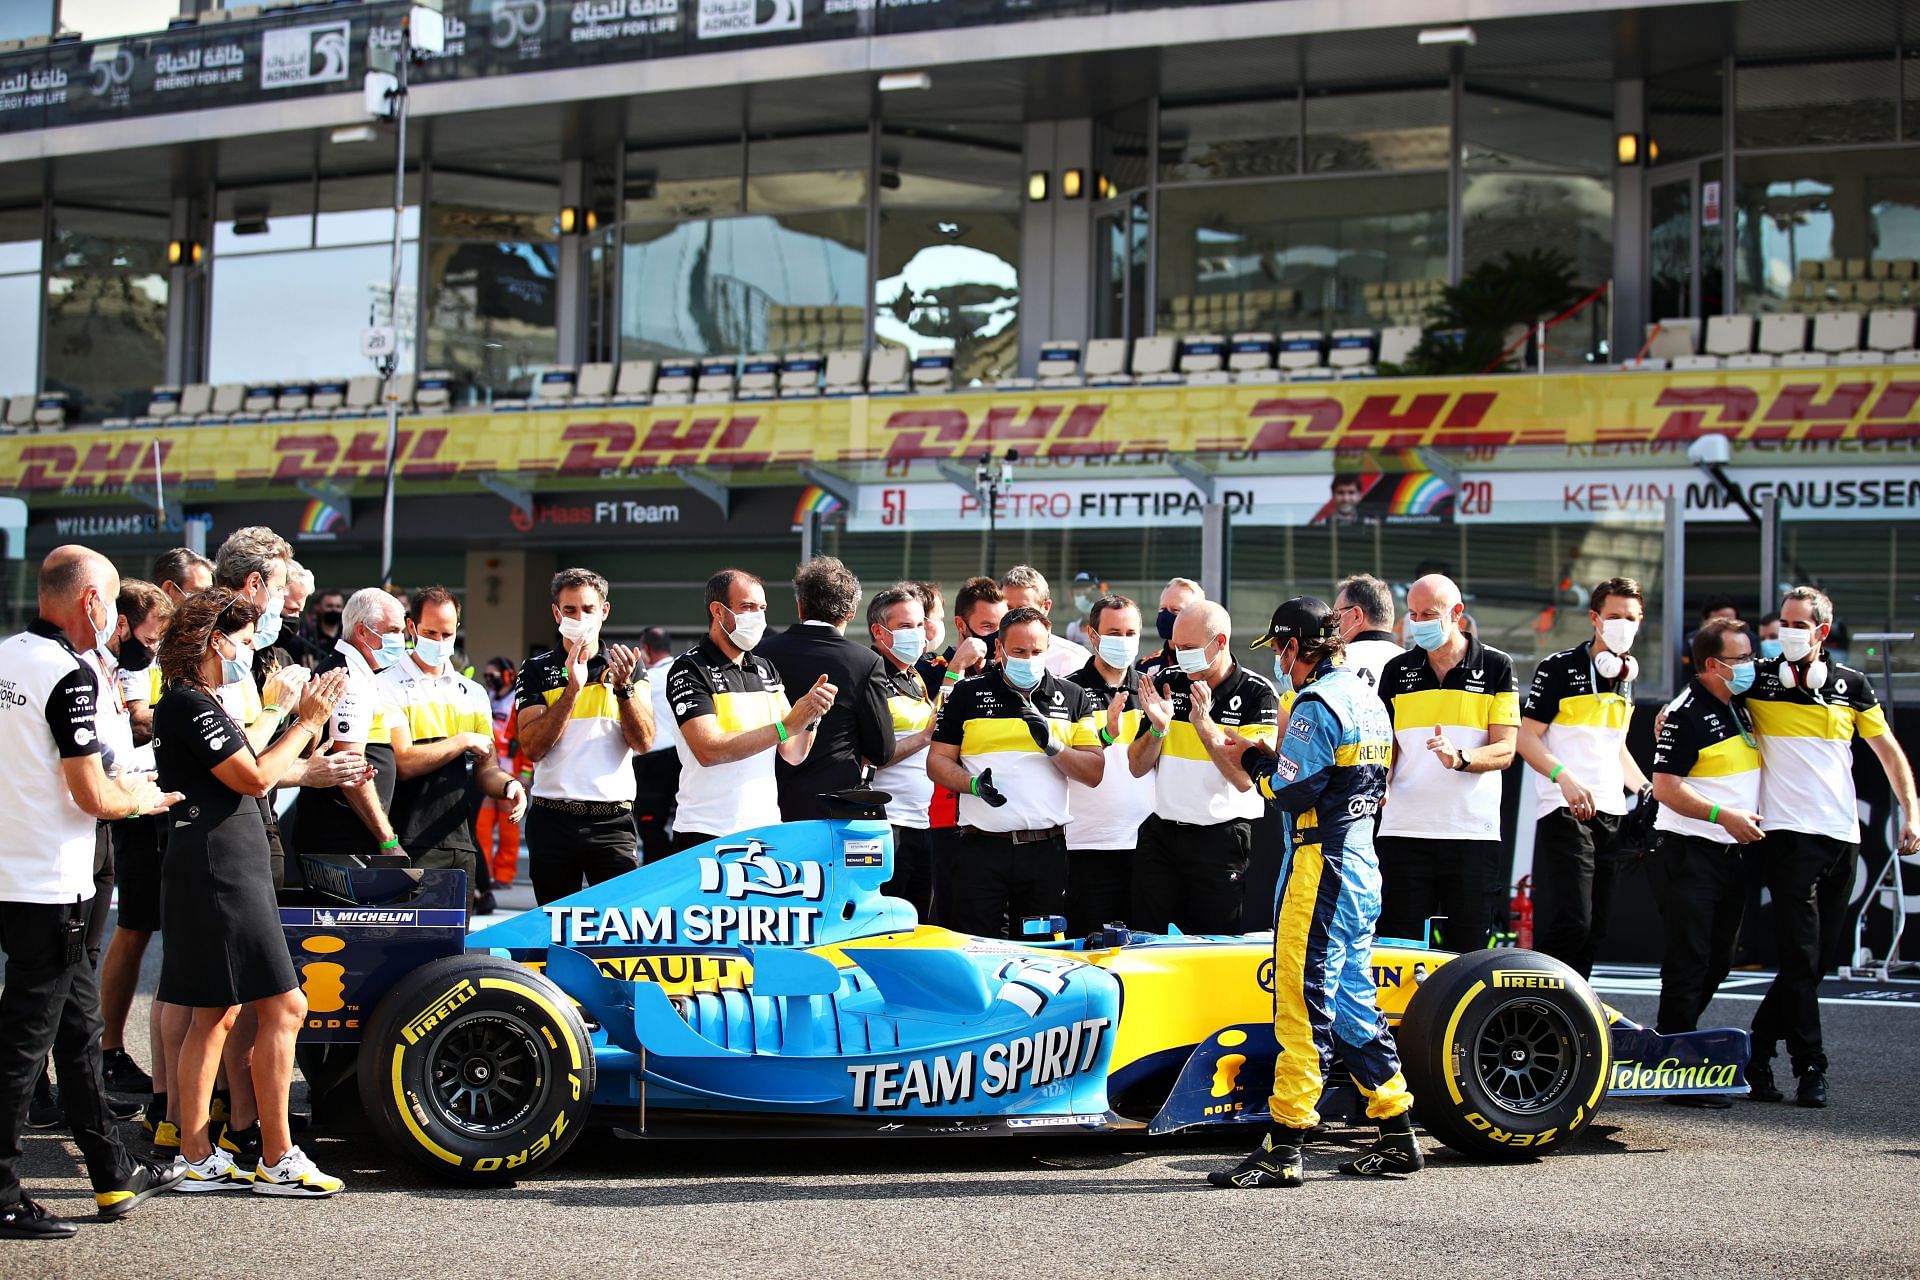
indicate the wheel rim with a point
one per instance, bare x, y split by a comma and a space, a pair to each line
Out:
485, 1074
1524, 1056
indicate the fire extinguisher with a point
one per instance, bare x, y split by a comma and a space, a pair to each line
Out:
1522, 911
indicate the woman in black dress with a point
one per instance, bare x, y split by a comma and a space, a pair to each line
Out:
216, 892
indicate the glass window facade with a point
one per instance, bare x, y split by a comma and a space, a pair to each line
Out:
1400, 129
492, 280
20, 257
1797, 213
1816, 104
1230, 140
106, 327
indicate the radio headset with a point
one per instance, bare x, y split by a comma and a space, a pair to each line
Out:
1814, 680
1607, 664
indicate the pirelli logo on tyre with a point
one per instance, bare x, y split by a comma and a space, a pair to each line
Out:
1526, 980
461, 992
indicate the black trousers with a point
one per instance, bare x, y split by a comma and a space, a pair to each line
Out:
997, 883
1099, 888
656, 778
1810, 878
102, 894
566, 853
1420, 879
49, 1002
1702, 891
1574, 868
1191, 876
944, 842
912, 868
688, 839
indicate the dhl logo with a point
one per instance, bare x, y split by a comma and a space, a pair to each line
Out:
1550, 411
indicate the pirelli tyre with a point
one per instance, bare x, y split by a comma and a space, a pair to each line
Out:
1507, 1053
477, 1069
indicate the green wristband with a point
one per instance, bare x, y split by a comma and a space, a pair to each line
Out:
973, 785
1556, 772
954, 676
1106, 737
271, 709
780, 727
388, 846
1713, 814
1158, 733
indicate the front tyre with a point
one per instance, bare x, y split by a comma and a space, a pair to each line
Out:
477, 1069
1507, 1053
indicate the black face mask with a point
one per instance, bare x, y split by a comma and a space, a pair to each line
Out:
495, 683
1163, 623
330, 620
134, 656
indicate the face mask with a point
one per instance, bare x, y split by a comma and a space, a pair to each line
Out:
747, 629
104, 632
266, 629
1119, 651
495, 684
908, 644
1163, 623
232, 670
393, 648
1768, 649
1796, 643
134, 654
574, 630
1282, 675
1739, 677
1429, 634
1083, 604
1024, 673
430, 651
1193, 661
1618, 633
331, 620
939, 639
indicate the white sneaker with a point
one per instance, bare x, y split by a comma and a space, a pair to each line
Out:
216, 1173
294, 1175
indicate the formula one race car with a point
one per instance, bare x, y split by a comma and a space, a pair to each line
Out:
762, 984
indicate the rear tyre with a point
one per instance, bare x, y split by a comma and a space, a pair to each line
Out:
1507, 1053
477, 1069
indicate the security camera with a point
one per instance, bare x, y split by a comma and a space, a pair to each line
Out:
1710, 451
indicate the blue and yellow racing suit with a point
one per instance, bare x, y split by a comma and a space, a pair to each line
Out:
1330, 774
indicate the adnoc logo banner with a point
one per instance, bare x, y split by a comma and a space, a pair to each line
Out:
295, 56
721, 18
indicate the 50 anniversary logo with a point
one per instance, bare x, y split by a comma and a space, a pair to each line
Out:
1544, 411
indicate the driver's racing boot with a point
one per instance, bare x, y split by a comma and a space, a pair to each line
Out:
1274, 1163
1395, 1152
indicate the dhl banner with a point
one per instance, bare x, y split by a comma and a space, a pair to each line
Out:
1751, 407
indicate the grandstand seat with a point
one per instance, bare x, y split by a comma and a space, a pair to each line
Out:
676, 382
800, 375
1667, 341
760, 377
50, 411
1250, 357
1397, 343
1834, 332
1203, 360
432, 391
933, 371
291, 398
164, 404
325, 399
886, 371
845, 373
1351, 353
594, 386
1106, 363
1302, 349
635, 383
552, 389
1891, 330
256, 401
717, 380
226, 400
20, 412
1776, 335
362, 399
195, 399
1727, 337
1059, 364
1153, 360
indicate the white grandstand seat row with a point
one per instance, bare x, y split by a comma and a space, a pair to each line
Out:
1213, 359
1788, 340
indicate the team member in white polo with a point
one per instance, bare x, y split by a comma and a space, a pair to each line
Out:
1103, 822
733, 715
1364, 607
896, 621
583, 714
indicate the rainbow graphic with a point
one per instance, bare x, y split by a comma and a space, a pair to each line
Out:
815, 501
1418, 493
320, 520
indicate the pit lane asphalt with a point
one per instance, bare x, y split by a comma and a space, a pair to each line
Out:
1650, 1190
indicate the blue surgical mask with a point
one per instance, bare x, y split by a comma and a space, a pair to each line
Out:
393, 648
1739, 678
1770, 649
1119, 651
908, 644
1193, 661
1024, 673
1430, 633
232, 670
430, 651
1282, 675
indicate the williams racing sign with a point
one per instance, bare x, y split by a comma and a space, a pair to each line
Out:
1757, 410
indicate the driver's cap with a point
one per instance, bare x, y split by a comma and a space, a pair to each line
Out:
1301, 618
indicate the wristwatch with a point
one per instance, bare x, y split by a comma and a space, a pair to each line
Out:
1464, 762
622, 692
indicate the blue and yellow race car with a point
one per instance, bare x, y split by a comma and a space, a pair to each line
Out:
762, 984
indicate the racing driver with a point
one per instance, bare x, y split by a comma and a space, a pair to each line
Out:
1330, 773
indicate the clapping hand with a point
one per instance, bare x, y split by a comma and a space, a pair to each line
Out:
577, 664
1199, 703
319, 697
1041, 728
1156, 705
1116, 707
622, 662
